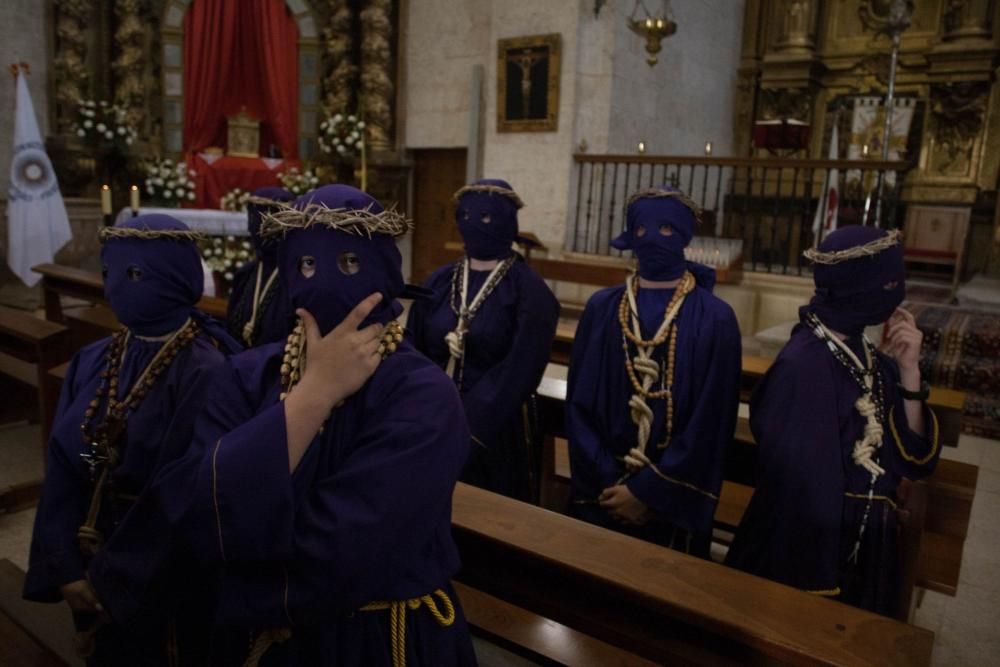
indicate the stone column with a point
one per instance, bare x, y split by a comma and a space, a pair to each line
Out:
967, 19
71, 74
341, 70
129, 66
798, 27
377, 89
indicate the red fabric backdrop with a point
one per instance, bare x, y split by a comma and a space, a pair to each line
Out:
241, 53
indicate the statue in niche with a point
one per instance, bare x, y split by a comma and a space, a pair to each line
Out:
798, 24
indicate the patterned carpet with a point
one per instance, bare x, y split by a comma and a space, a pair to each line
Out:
962, 351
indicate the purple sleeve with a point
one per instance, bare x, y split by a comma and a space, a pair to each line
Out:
591, 463
686, 490
246, 476
381, 510
912, 456
128, 572
497, 396
55, 558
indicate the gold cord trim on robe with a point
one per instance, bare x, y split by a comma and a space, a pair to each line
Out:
686, 485
830, 592
215, 498
935, 433
397, 619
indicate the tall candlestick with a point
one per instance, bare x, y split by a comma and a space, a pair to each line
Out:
106, 199
133, 200
364, 162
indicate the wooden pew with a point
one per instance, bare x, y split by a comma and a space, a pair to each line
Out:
59, 281
536, 637
29, 347
662, 605
944, 526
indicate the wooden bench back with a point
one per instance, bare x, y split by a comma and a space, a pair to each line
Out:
661, 604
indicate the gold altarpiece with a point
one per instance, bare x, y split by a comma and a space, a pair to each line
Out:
801, 57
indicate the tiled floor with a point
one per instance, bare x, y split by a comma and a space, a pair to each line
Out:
966, 626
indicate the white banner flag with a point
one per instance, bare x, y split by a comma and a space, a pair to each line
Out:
37, 224
829, 204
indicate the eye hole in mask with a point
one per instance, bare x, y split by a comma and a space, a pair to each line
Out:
888, 287
307, 266
486, 219
640, 231
134, 273
666, 230
348, 263
104, 270
465, 215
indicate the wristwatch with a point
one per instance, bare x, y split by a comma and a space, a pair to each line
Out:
921, 395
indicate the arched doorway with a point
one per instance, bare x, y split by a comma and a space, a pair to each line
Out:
173, 75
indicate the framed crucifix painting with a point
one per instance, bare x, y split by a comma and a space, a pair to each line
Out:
528, 84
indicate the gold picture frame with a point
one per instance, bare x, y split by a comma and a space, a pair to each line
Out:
243, 135
524, 66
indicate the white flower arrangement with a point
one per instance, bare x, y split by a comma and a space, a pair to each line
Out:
234, 200
226, 254
169, 183
341, 135
103, 126
298, 182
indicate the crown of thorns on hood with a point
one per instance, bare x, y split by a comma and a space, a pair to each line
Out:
489, 189
866, 250
657, 193
190, 235
360, 222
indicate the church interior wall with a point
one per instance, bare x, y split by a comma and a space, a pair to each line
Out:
693, 85
604, 98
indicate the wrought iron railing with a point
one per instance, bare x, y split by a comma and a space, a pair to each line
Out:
768, 205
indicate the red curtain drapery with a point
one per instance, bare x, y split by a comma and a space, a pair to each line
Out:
240, 53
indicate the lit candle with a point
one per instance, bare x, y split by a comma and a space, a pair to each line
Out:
642, 147
659, 23
864, 150
106, 199
133, 198
708, 149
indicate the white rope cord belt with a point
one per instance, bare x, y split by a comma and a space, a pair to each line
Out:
257, 298
649, 371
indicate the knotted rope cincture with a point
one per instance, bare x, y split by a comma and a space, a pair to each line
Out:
865, 448
871, 439
397, 619
647, 370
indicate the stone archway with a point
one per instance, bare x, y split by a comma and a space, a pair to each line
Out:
310, 73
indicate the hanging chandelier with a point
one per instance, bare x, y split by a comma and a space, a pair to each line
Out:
653, 27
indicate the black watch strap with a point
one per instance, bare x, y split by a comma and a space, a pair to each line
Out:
921, 395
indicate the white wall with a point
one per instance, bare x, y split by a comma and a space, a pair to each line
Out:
609, 97
687, 98
22, 38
